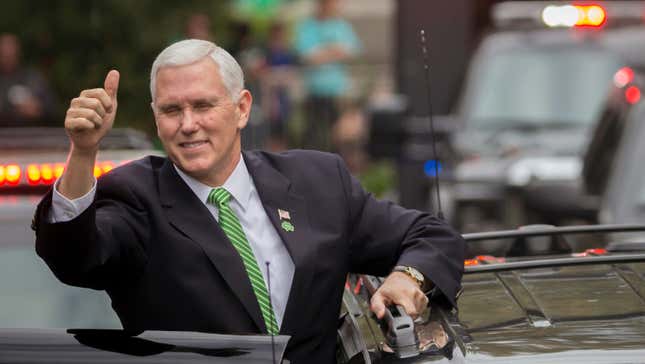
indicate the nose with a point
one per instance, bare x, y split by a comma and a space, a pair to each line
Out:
189, 123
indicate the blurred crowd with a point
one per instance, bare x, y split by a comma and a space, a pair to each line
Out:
25, 96
297, 73
300, 73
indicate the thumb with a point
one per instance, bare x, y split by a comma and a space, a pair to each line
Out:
111, 83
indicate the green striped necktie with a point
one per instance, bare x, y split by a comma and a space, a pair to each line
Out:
233, 229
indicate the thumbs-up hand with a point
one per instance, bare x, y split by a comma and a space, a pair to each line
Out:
91, 115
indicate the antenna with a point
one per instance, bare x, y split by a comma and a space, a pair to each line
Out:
271, 329
426, 67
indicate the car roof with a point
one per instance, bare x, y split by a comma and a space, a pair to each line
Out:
624, 41
592, 309
536, 309
43, 138
103, 346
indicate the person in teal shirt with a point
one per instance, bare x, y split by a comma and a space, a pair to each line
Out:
324, 42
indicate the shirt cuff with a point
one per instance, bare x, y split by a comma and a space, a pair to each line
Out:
64, 209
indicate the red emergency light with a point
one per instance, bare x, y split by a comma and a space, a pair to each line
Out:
470, 262
44, 174
632, 94
591, 15
10, 174
623, 76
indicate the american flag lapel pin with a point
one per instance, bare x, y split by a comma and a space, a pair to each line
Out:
284, 215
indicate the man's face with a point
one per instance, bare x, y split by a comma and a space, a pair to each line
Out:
197, 121
328, 8
9, 52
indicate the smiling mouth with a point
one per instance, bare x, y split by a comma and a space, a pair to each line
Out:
191, 145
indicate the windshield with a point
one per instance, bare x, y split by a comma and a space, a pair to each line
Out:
539, 88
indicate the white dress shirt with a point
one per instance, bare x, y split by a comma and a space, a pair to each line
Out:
245, 203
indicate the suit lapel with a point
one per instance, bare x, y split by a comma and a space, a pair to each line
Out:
275, 193
189, 215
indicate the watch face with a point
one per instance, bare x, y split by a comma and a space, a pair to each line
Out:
416, 274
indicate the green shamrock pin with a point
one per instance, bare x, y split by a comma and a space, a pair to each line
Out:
287, 226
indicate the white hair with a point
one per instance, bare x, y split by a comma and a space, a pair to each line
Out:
193, 50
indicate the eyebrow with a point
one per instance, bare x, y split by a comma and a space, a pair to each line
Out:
170, 105
211, 100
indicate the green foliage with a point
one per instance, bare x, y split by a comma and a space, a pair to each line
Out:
379, 178
76, 42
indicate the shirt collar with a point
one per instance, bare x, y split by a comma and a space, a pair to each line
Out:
238, 184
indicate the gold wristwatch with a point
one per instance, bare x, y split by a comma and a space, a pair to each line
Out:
412, 273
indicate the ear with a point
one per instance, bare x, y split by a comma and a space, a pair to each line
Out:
244, 108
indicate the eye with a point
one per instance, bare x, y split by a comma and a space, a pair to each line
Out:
202, 106
171, 110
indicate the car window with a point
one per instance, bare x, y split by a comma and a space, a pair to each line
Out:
558, 85
30, 295
33, 298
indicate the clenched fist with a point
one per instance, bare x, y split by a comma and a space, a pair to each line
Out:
399, 289
91, 115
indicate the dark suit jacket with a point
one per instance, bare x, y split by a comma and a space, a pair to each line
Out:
157, 251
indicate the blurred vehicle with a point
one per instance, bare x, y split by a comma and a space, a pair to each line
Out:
613, 169
30, 161
534, 88
585, 307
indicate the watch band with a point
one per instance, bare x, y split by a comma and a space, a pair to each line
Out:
412, 273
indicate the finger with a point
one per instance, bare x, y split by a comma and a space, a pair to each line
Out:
378, 305
89, 103
101, 95
410, 308
420, 302
78, 125
88, 114
424, 301
111, 83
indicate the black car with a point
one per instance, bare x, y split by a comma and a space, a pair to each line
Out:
584, 307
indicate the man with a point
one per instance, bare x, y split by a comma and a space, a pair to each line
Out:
25, 97
325, 42
175, 252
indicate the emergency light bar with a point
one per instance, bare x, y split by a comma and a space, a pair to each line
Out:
14, 175
573, 15
567, 14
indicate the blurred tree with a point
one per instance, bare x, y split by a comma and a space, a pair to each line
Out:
75, 43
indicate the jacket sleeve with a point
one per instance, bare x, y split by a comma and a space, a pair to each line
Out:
102, 246
383, 234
